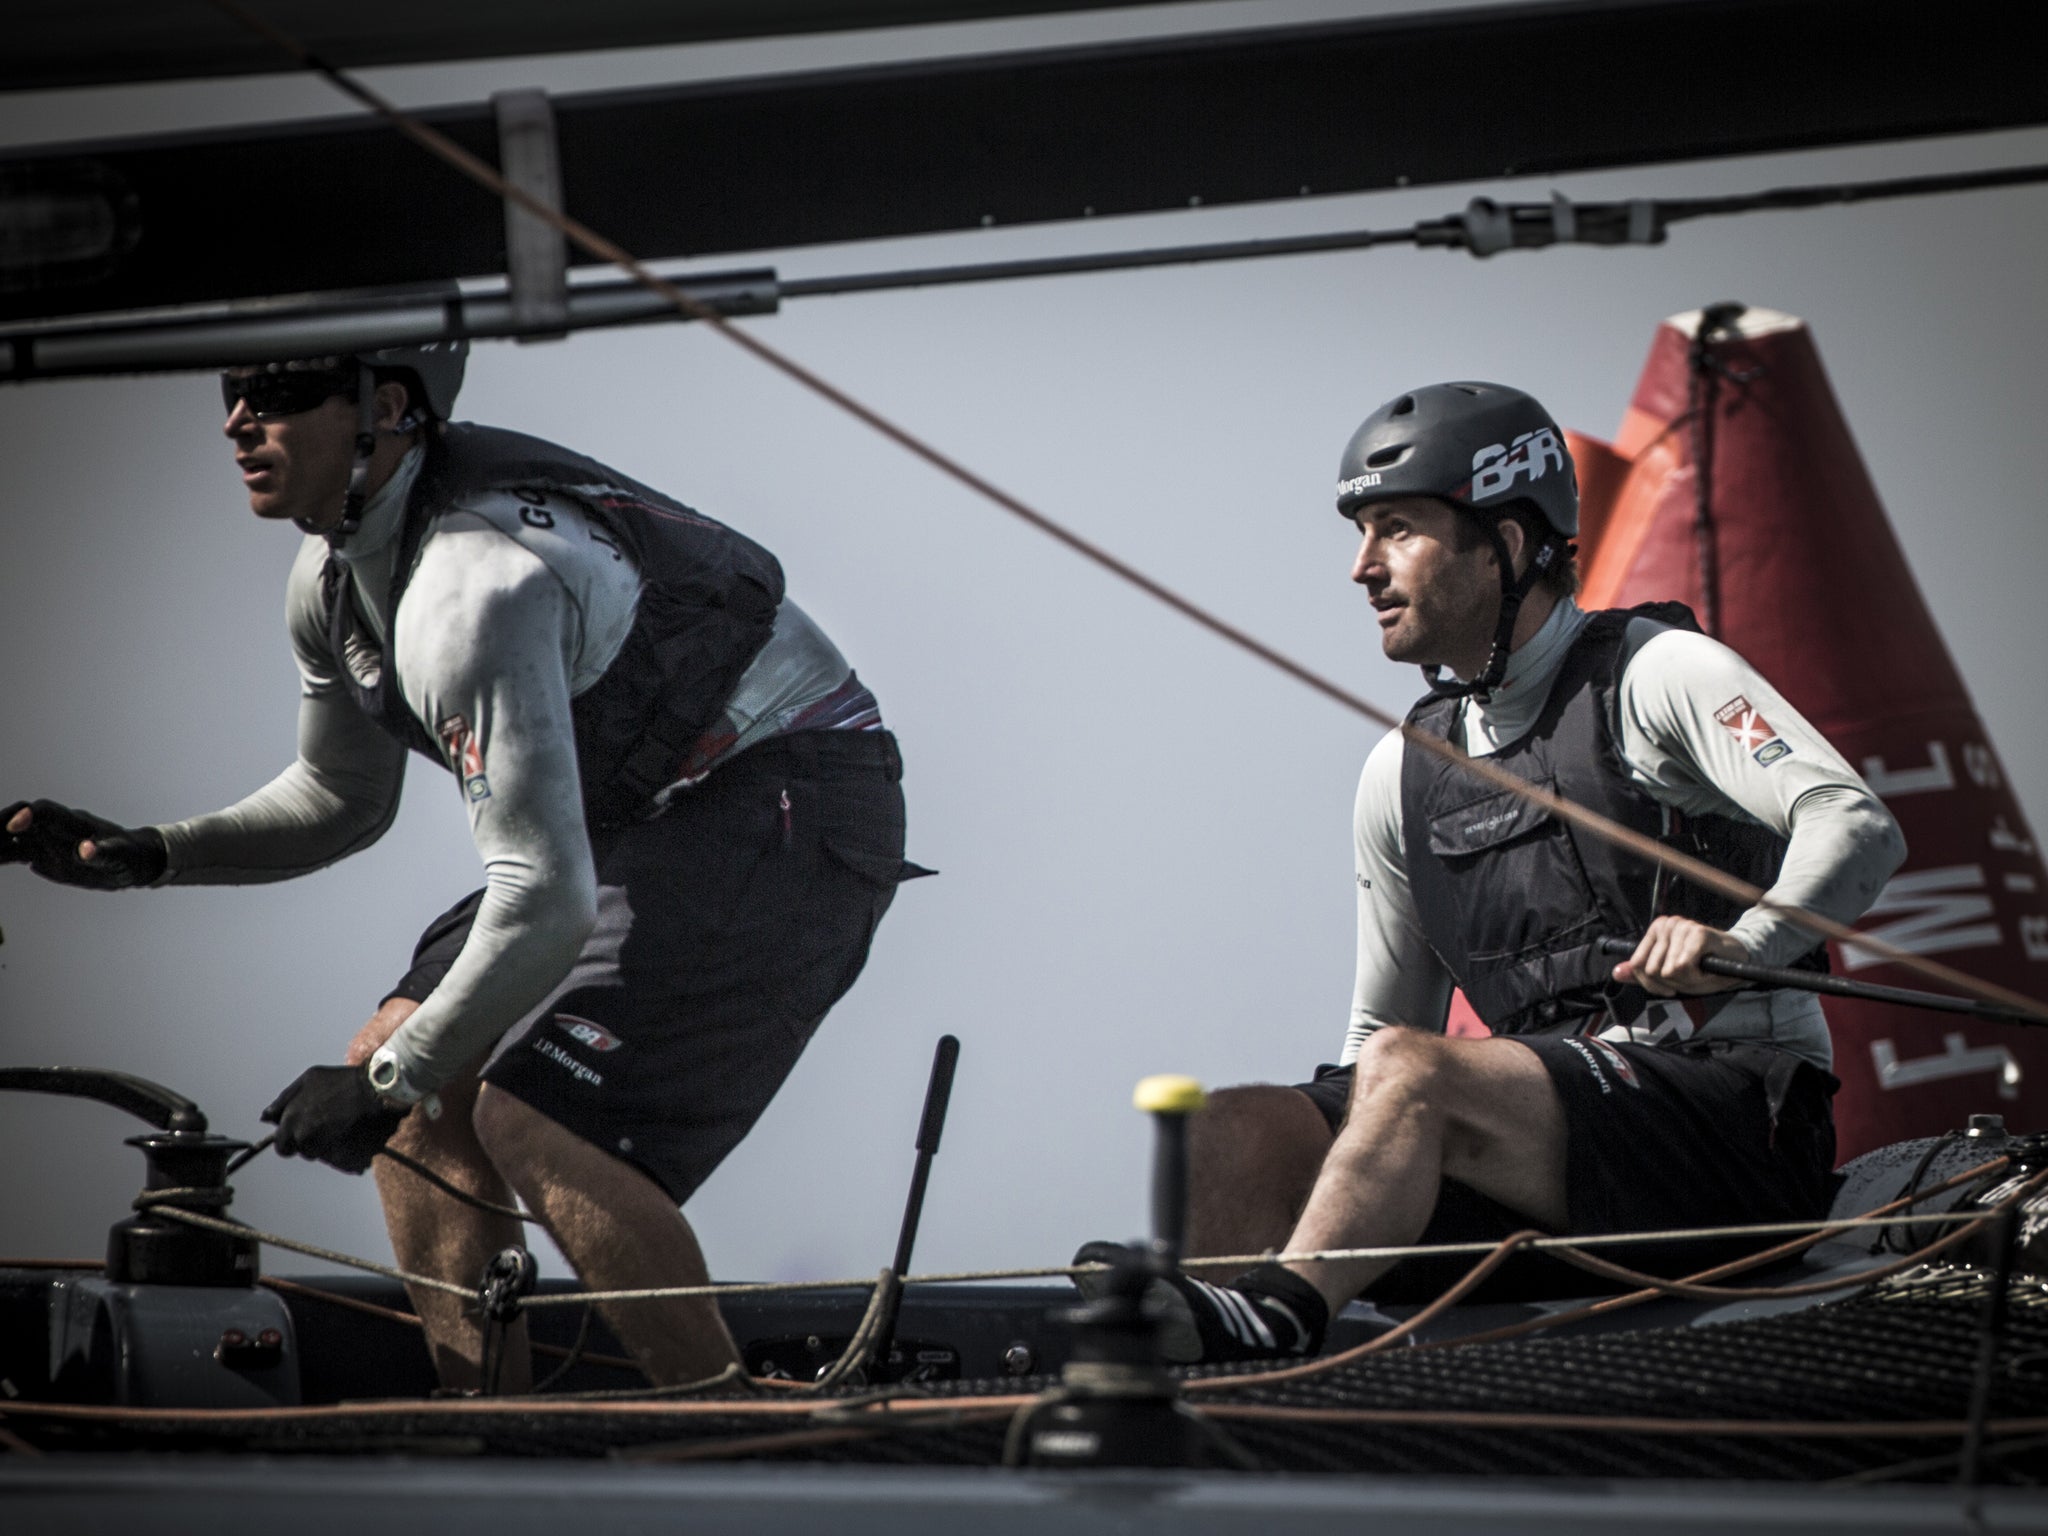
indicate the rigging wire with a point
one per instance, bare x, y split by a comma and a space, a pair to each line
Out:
583, 238
220, 335
1535, 225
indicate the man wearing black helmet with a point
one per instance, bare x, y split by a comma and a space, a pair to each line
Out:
1611, 1097
686, 806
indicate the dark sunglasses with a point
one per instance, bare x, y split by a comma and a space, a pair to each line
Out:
287, 393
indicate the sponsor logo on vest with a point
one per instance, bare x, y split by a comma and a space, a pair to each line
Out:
1488, 823
562, 1058
1356, 484
1531, 456
596, 1036
465, 755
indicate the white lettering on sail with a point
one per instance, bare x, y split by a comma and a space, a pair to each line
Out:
1931, 910
1957, 1059
1982, 765
1890, 783
2034, 937
2005, 840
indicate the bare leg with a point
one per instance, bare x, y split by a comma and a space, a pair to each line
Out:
1424, 1108
621, 1232
434, 1235
1253, 1156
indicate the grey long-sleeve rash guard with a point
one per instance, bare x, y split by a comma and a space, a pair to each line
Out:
513, 609
1843, 843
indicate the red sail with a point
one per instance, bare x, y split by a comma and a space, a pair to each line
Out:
1797, 568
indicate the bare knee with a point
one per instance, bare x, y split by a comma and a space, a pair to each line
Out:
1403, 1066
1488, 1105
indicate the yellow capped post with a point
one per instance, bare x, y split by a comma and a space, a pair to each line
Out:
1169, 1093
1169, 1099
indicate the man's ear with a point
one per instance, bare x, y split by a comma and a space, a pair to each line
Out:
392, 404
1516, 537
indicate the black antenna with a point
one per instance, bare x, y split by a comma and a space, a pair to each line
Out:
937, 1094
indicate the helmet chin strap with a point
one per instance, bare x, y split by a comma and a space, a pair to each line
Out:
1513, 590
359, 469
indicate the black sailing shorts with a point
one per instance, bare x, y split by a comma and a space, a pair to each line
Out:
726, 927
1657, 1137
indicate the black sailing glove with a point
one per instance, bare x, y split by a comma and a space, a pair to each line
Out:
332, 1114
122, 856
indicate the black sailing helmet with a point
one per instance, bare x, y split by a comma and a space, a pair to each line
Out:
1479, 445
1483, 448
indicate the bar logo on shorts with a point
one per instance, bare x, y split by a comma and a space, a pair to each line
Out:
596, 1036
465, 756
1751, 729
1623, 1067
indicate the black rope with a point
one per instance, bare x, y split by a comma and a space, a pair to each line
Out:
1934, 1150
249, 1154
475, 1202
413, 1165
1823, 195
575, 1355
1706, 370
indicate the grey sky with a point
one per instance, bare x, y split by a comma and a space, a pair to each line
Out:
1144, 835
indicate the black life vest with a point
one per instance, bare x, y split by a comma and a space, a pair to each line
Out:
707, 605
1514, 901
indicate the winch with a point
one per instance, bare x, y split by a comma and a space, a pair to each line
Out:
176, 1318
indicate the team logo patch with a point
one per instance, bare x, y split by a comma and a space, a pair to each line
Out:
465, 756
1753, 731
1529, 457
596, 1036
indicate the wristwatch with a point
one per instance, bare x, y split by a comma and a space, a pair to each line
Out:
387, 1078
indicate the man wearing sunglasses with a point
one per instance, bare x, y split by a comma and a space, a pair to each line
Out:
686, 805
